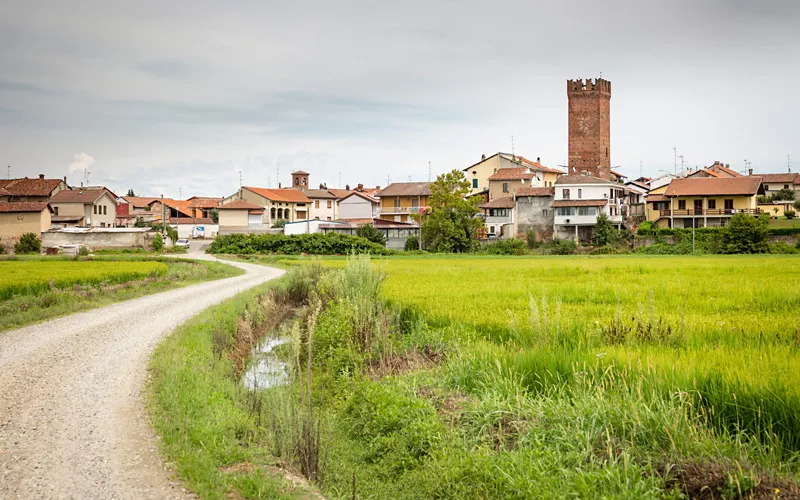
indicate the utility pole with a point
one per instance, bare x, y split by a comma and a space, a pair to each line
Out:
163, 218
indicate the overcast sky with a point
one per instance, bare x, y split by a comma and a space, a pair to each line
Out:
162, 96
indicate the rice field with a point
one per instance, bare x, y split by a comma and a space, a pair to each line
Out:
29, 277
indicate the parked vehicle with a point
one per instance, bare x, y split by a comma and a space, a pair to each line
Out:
183, 242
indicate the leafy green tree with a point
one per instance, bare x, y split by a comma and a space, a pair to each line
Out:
140, 222
28, 243
784, 195
172, 233
412, 243
215, 216
158, 243
451, 225
371, 233
130, 193
797, 205
604, 232
746, 234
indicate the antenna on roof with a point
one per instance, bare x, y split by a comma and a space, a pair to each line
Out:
388, 179
788, 164
429, 171
340, 180
269, 182
640, 169
512, 147
240, 177
86, 175
180, 193
8, 174
278, 174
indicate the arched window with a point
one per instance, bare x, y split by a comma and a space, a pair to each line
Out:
280, 213
272, 213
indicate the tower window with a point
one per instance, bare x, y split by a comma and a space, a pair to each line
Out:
606, 152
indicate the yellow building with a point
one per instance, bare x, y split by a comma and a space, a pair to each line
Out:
287, 204
479, 173
400, 200
20, 217
702, 202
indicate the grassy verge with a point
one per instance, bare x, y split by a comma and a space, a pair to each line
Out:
41, 304
210, 428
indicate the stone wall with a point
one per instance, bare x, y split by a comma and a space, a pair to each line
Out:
535, 213
94, 239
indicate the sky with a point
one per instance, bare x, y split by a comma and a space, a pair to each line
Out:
190, 98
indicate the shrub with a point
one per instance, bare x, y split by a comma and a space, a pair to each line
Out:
509, 246
372, 233
531, 239
315, 244
746, 234
158, 243
412, 243
782, 247
604, 232
646, 229
796, 205
28, 243
789, 214
558, 246
279, 223
785, 194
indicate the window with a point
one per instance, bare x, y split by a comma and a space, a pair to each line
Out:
316, 217
296, 181
474, 183
698, 206
491, 229
397, 202
712, 204
102, 224
587, 211
55, 210
612, 193
565, 194
329, 218
316, 203
580, 193
329, 206
728, 205
544, 212
104, 210
272, 213
304, 181
415, 203
681, 204
565, 211
94, 207
785, 186
505, 187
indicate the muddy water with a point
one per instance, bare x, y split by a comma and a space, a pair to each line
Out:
266, 370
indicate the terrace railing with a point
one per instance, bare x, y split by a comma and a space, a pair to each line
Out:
693, 212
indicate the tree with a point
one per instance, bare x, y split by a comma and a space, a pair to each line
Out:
158, 243
412, 243
28, 243
604, 232
746, 234
784, 195
372, 233
215, 216
797, 205
172, 233
451, 225
140, 222
130, 193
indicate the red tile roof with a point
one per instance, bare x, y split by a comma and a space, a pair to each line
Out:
790, 178
198, 202
140, 201
240, 205
511, 174
505, 202
725, 169
30, 187
541, 167
191, 220
537, 191
290, 195
712, 186
360, 195
341, 193
656, 197
584, 179
580, 203
319, 194
84, 196
22, 206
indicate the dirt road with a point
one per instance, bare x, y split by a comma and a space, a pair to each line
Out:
72, 423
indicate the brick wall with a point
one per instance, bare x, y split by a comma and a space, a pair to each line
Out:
589, 127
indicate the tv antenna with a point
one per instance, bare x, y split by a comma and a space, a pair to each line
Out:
513, 153
240, 177
8, 174
86, 175
675, 160
640, 169
788, 164
340, 180
429, 171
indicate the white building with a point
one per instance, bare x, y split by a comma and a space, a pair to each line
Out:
358, 206
323, 204
580, 199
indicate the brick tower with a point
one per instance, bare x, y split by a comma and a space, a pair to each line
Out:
589, 127
300, 180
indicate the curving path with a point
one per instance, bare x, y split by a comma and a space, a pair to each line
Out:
72, 423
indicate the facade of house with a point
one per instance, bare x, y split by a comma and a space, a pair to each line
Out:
201, 206
396, 233
20, 217
400, 200
285, 204
704, 201
89, 207
357, 205
323, 204
240, 214
31, 190
479, 173
499, 217
579, 199
773, 183
533, 211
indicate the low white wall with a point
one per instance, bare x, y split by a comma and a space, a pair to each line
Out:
186, 230
97, 240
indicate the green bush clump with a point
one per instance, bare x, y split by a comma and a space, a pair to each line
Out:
789, 214
531, 239
557, 246
782, 247
509, 246
158, 243
315, 244
412, 243
28, 243
372, 233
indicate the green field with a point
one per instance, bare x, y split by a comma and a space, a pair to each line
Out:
33, 276
511, 377
784, 222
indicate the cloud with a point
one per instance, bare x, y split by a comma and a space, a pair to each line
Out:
81, 163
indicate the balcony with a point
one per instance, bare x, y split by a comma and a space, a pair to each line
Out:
708, 212
499, 219
400, 210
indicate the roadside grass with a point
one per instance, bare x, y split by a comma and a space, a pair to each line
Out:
204, 414
92, 282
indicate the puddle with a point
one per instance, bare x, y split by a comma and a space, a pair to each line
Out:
266, 370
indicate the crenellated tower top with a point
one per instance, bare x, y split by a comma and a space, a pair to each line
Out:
589, 85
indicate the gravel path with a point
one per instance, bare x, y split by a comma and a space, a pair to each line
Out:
72, 423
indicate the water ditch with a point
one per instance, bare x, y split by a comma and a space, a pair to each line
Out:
265, 369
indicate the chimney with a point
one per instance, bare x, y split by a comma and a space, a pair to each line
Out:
65, 179
750, 171
377, 188
41, 176
347, 187
279, 185
483, 157
360, 187
538, 159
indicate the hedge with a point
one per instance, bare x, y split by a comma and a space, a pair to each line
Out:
315, 244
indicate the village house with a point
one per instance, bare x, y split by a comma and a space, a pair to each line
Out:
323, 204
704, 201
400, 200
534, 211
240, 214
579, 199
357, 205
282, 204
479, 173
396, 233
25, 189
84, 207
499, 217
20, 217
774, 183
201, 207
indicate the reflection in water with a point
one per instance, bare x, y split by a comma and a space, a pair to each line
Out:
266, 370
